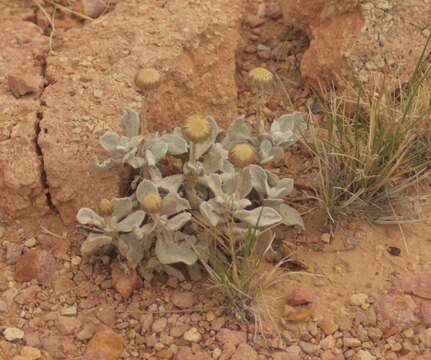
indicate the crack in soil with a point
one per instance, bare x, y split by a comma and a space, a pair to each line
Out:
39, 151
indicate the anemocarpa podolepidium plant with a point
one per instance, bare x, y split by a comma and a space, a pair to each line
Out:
223, 187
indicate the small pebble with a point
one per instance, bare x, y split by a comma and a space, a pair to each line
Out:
13, 333
30, 242
192, 335
358, 299
69, 311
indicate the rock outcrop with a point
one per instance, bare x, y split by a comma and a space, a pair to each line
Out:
57, 105
356, 40
21, 186
193, 45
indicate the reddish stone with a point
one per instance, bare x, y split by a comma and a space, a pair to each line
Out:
244, 352
93, 8
58, 346
183, 299
179, 330
21, 83
36, 264
227, 336
395, 313
68, 325
27, 295
254, 21
299, 297
105, 345
419, 285
58, 247
125, 284
106, 314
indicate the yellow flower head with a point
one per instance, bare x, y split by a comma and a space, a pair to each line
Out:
242, 155
260, 77
105, 207
196, 128
151, 203
147, 79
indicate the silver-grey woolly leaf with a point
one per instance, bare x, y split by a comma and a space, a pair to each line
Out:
146, 269
209, 213
229, 183
94, 243
154, 172
136, 162
238, 132
243, 203
214, 159
132, 142
145, 230
287, 129
259, 217
131, 222
173, 203
175, 273
121, 207
177, 222
194, 169
277, 153
144, 188
159, 149
290, 216
213, 182
130, 123
259, 179
177, 145
171, 183
129, 155
110, 141
171, 250
244, 183
149, 158
265, 152
133, 248
281, 189
87, 216
228, 167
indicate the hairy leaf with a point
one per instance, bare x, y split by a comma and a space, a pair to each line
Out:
130, 123
87, 216
173, 203
171, 250
131, 222
144, 188
95, 242
259, 217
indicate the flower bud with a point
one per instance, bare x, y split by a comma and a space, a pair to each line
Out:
242, 155
196, 128
147, 79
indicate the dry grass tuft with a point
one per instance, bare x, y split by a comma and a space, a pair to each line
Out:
238, 268
376, 144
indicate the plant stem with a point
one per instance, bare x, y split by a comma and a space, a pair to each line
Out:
260, 123
239, 180
144, 122
235, 274
193, 153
